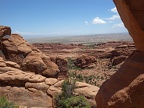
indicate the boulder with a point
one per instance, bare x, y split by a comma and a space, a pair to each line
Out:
86, 90
125, 88
85, 61
16, 49
4, 30
62, 65
33, 62
24, 97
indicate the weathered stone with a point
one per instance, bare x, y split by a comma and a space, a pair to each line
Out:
24, 49
81, 88
39, 86
86, 90
37, 78
33, 62
118, 60
52, 69
53, 91
12, 64
62, 65
59, 83
16, 49
2, 64
131, 12
125, 88
24, 97
4, 30
85, 61
51, 81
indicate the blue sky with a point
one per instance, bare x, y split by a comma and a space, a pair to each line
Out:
60, 17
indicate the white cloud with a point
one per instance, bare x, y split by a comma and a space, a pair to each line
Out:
86, 22
114, 17
118, 25
114, 9
97, 20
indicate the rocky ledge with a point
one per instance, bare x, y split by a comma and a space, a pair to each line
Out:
28, 77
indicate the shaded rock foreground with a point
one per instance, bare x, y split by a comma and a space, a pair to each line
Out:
125, 89
28, 76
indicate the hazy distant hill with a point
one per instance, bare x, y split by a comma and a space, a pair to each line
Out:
84, 39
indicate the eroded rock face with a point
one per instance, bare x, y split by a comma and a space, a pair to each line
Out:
131, 12
24, 97
62, 65
16, 49
125, 88
4, 30
85, 61
33, 90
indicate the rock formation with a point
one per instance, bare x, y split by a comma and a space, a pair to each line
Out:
62, 66
85, 61
34, 90
26, 74
4, 30
131, 12
16, 49
125, 89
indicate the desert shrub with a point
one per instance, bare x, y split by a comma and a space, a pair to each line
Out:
4, 103
71, 64
68, 88
73, 102
67, 99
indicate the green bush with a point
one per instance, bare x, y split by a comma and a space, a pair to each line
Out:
67, 99
71, 64
68, 88
4, 103
73, 102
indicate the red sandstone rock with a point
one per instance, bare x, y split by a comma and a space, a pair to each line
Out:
4, 30
62, 65
26, 87
33, 90
16, 49
131, 12
85, 61
118, 60
125, 88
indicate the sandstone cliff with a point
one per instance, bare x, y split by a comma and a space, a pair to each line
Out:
125, 89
